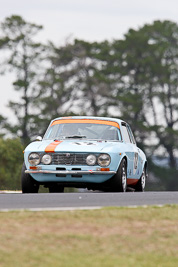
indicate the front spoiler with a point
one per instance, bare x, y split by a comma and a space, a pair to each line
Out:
70, 172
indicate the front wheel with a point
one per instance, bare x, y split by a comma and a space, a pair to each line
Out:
29, 185
120, 178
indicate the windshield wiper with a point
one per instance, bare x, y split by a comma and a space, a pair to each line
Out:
59, 138
75, 136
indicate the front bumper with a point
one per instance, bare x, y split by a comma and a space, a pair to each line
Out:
70, 172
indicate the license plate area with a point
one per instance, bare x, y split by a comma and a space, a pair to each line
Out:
72, 175
76, 175
60, 174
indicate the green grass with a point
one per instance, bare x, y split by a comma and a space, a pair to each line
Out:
108, 237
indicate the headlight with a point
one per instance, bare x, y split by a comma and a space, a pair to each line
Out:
46, 159
34, 159
104, 160
91, 160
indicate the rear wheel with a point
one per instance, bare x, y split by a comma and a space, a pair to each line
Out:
120, 178
56, 189
140, 186
29, 185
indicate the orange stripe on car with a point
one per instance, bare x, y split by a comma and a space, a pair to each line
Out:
112, 123
51, 147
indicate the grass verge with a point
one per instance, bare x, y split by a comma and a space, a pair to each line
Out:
108, 237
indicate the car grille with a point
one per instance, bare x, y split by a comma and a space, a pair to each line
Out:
69, 159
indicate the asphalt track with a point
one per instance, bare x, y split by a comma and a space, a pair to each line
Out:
65, 201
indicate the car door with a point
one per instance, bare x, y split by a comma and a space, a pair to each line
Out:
136, 163
131, 151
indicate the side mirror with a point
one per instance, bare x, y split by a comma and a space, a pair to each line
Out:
38, 138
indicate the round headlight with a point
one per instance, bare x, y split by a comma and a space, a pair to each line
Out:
46, 159
34, 159
104, 160
91, 160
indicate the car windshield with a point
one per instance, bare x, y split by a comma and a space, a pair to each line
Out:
83, 131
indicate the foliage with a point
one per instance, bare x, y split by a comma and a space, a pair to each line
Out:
11, 158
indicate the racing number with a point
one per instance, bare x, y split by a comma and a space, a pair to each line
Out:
135, 160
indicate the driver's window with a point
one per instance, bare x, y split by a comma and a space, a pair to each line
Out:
131, 134
125, 133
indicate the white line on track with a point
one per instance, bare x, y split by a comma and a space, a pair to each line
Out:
53, 209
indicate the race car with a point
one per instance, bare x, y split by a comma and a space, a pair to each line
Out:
97, 153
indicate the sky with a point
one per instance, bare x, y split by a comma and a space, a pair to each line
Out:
90, 20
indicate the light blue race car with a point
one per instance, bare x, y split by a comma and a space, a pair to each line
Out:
97, 153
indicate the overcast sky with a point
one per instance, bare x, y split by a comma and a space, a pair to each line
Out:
90, 20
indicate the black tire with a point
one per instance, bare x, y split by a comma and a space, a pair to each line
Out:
140, 186
120, 178
29, 185
56, 189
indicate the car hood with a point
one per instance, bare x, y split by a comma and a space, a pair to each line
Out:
72, 146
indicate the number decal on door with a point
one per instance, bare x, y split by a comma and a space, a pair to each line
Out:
135, 161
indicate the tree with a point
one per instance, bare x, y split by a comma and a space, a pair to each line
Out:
164, 37
2, 125
74, 82
91, 85
54, 93
148, 87
23, 58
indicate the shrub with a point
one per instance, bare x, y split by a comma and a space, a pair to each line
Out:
11, 159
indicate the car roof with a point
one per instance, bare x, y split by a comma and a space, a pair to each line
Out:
90, 118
